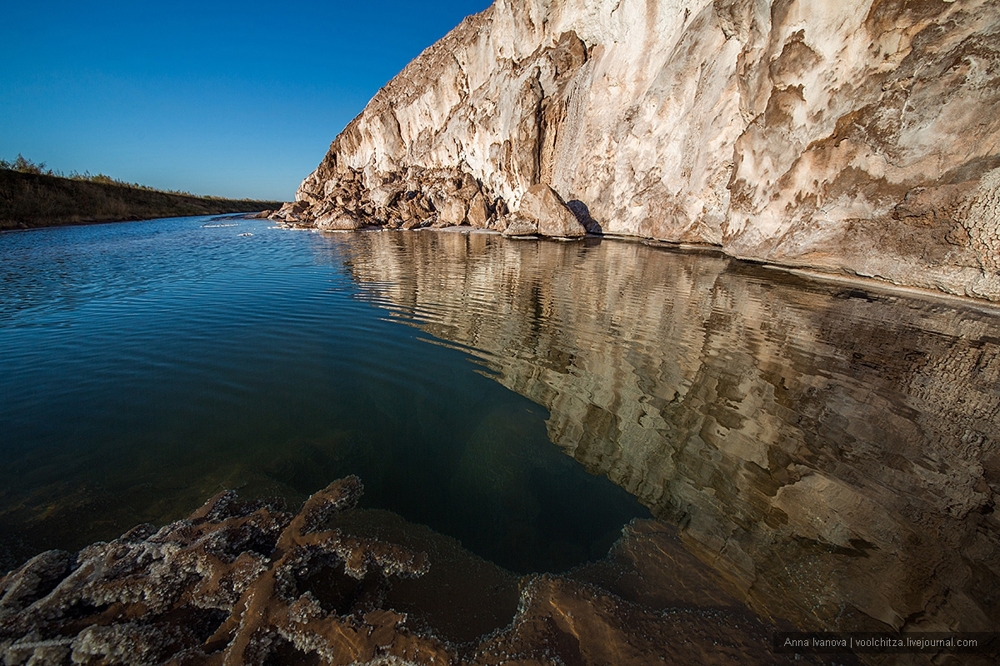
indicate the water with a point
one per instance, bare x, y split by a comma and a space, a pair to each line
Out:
833, 453
147, 366
830, 452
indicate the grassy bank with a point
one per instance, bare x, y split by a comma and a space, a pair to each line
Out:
39, 200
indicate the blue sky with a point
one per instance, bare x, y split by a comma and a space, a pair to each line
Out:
237, 99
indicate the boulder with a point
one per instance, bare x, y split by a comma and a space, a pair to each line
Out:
546, 208
479, 213
468, 187
295, 211
339, 220
519, 226
413, 207
451, 211
384, 196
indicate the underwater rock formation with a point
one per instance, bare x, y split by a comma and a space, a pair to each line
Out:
229, 585
860, 136
244, 582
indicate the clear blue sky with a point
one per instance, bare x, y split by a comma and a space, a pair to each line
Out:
234, 98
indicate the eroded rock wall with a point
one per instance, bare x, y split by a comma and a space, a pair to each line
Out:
858, 136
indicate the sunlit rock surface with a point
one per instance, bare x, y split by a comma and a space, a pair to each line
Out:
243, 582
834, 454
860, 136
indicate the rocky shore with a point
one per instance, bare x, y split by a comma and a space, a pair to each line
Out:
437, 199
246, 582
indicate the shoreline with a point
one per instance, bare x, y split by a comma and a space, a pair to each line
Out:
891, 288
804, 272
342, 583
90, 223
31, 201
151, 218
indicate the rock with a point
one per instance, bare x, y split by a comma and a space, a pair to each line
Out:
518, 226
32, 580
292, 212
451, 211
838, 140
384, 196
547, 209
340, 220
237, 582
244, 582
414, 208
479, 213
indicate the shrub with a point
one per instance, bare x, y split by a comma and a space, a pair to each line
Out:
25, 165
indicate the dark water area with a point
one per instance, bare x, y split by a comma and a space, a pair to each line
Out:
145, 367
831, 454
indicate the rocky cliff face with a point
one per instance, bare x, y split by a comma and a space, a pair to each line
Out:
860, 136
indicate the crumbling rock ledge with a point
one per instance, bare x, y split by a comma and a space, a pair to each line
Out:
245, 582
859, 137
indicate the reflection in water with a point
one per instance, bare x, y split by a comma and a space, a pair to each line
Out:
832, 453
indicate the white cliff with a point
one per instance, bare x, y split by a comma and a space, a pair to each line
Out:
857, 136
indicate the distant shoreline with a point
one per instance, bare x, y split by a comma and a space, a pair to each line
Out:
5, 229
31, 201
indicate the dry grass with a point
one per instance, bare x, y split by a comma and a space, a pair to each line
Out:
39, 200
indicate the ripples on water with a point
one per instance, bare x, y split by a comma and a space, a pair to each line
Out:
832, 453
147, 366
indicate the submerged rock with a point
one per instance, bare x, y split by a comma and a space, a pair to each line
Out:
857, 137
245, 582
231, 584
340, 220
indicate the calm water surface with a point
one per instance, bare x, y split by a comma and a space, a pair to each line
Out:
147, 366
833, 453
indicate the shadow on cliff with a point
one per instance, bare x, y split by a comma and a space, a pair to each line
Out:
582, 213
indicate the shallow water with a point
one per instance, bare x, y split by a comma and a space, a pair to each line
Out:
831, 452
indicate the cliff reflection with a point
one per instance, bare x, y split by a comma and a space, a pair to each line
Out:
833, 454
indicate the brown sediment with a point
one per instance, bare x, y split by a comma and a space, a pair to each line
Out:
245, 582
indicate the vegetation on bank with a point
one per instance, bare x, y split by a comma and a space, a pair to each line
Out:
33, 196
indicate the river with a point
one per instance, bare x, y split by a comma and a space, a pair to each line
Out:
829, 453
